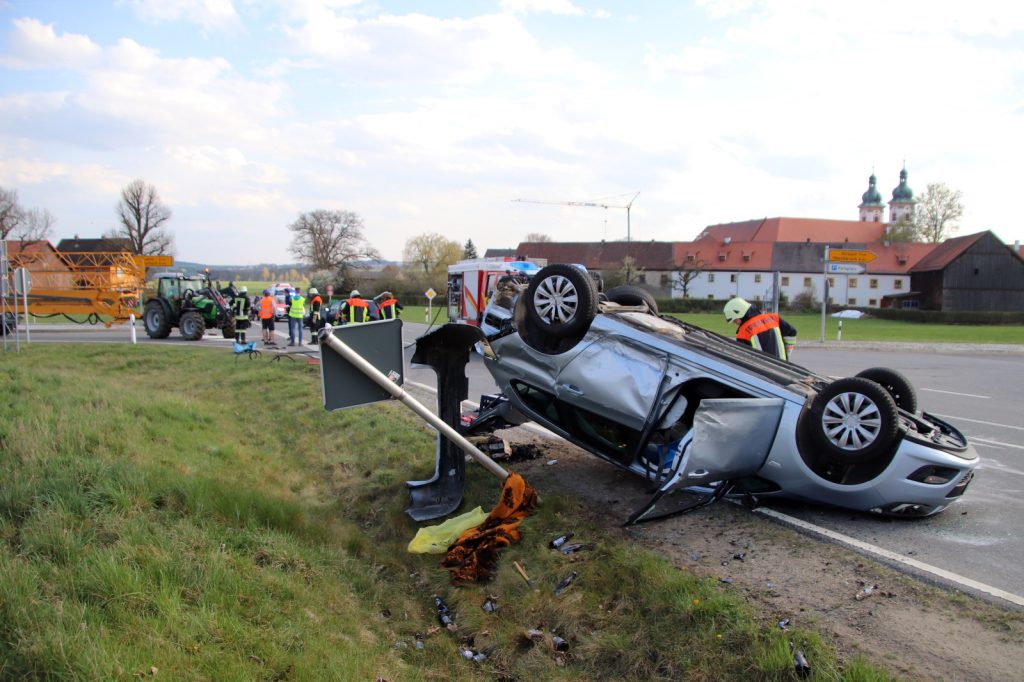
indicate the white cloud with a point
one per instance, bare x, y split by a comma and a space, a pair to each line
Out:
563, 7
35, 45
209, 14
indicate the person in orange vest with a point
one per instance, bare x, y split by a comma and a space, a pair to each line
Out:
267, 309
766, 332
355, 309
388, 306
316, 305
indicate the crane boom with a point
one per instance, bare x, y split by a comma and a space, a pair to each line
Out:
593, 204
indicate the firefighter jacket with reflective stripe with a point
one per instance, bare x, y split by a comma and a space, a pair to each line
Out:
356, 310
765, 333
298, 308
267, 306
315, 304
241, 305
389, 308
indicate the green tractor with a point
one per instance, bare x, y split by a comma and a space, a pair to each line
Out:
190, 304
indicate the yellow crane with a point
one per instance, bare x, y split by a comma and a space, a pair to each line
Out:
95, 284
595, 204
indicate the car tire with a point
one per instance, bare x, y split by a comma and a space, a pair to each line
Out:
156, 320
561, 301
630, 295
192, 325
228, 330
853, 421
895, 384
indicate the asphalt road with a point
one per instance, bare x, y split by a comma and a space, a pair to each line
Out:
980, 393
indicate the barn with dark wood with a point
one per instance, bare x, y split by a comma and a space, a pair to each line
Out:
973, 272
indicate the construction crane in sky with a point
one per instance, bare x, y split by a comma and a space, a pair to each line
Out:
595, 204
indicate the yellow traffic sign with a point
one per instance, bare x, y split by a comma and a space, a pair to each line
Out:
851, 255
155, 261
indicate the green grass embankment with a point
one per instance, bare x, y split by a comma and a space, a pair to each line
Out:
171, 511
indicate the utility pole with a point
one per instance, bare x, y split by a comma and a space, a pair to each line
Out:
595, 204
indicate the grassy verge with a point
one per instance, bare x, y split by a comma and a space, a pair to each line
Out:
173, 510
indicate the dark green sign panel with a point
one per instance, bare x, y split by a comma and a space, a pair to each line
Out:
380, 344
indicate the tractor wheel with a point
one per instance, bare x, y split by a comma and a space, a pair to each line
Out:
192, 325
156, 320
228, 329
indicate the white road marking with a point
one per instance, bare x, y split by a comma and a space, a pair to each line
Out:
844, 539
968, 395
892, 556
977, 421
994, 443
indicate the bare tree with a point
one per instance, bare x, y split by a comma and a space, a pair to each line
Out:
12, 215
38, 225
937, 211
686, 273
537, 238
142, 219
330, 240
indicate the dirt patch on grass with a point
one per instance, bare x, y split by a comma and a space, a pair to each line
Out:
915, 630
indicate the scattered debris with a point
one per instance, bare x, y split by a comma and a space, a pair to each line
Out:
866, 592
443, 615
740, 556
560, 540
551, 462
573, 548
525, 451
497, 448
784, 623
564, 585
727, 581
534, 635
522, 572
490, 605
800, 664
559, 644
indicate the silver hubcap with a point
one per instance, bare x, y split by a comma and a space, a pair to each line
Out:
851, 421
556, 300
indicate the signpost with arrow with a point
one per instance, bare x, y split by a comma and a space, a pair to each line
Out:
841, 262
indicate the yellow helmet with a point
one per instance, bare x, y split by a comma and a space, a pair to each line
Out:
735, 309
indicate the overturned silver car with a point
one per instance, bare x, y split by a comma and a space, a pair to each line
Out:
686, 408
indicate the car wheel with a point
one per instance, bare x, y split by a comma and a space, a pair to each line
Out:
155, 320
853, 421
561, 300
192, 326
630, 295
895, 384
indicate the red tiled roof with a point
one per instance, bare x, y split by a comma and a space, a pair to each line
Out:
602, 255
897, 257
796, 230
710, 255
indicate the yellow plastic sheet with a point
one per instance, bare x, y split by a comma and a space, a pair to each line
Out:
435, 539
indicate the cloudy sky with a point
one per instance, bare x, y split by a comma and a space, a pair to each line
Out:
435, 117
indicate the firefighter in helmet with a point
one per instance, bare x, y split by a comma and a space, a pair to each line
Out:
766, 332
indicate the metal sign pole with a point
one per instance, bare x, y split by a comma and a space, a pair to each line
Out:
23, 273
824, 289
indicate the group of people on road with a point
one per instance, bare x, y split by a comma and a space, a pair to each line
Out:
353, 310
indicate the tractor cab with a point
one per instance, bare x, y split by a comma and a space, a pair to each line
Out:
175, 287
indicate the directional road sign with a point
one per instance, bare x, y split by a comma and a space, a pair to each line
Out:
851, 256
845, 268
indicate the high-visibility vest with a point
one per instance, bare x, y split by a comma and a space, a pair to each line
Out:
358, 309
267, 306
389, 309
240, 307
763, 333
298, 308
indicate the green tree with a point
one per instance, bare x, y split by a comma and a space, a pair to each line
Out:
937, 212
427, 257
469, 250
903, 230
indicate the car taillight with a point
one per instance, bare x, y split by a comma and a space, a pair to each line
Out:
933, 475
